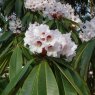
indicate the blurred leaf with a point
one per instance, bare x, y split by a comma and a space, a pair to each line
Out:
27, 19
26, 53
2, 20
75, 37
50, 23
9, 7
5, 57
3, 84
18, 7
61, 27
5, 51
5, 36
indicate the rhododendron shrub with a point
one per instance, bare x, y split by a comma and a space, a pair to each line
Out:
41, 51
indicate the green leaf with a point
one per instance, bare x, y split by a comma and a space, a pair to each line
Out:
50, 23
85, 59
5, 51
9, 7
27, 19
4, 64
59, 81
69, 78
26, 53
75, 37
73, 75
82, 60
80, 83
15, 63
40, 81
18, 7
2, 20
16, 79
5, 57
3, 84
5, 36
69, 90
60, 26
78, 56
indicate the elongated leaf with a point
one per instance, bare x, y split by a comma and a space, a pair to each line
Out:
18, 7
15, 63
2, 20
26, 53
6, 50
59, 81
16, 79
80, 83
24, 19
50, 23
3, 65
9, 7
69, 90
5, 36
40, 81
69, 78
60, 27
85, 60
83, 57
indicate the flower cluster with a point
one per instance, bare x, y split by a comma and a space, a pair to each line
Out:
37, 5
15, 24
52, 9
59, 10
88, 30
42, 40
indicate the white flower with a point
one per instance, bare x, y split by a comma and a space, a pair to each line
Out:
37, 5
41, 40
57, 10
15, 24
88, 30
69, 49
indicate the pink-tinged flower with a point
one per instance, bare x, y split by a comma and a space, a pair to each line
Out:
58, 10
41, 40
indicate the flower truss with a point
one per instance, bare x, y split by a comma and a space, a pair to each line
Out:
37, 5
15, 24
59, 10
52, 9
42, 40
88, 30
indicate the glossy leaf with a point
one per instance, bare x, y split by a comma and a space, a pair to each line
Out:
16, 79
15, 63
40, 81
70, 79
85, 60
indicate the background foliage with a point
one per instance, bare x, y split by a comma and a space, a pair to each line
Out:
22, 73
